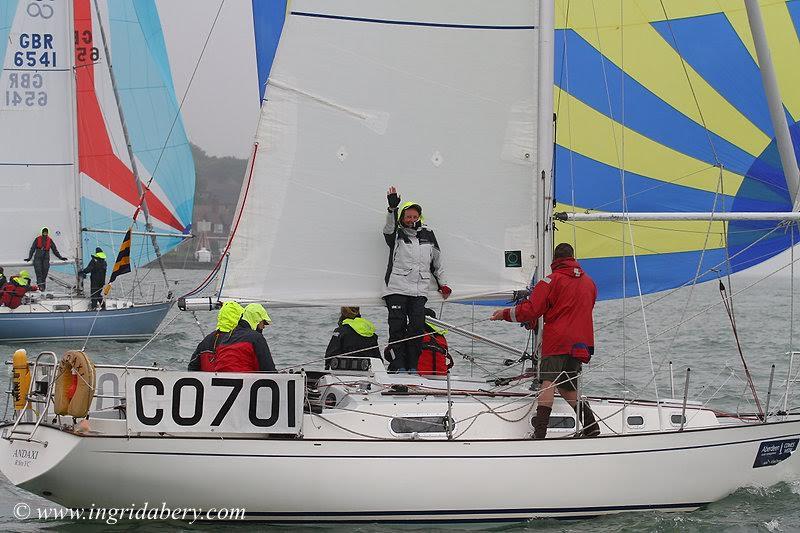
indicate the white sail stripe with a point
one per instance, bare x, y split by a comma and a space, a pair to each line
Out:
119, 209
158, 192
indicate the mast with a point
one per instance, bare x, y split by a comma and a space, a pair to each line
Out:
139, 189
544, 138
75, 158
774, 102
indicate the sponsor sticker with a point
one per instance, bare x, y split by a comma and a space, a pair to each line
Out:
772, 452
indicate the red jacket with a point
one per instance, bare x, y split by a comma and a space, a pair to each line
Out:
434, 358
241, 350
565, 298
11, 293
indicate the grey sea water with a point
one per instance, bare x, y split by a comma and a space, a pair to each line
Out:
621, 366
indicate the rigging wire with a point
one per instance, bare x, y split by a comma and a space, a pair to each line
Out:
214, 271
728, 302
699, 262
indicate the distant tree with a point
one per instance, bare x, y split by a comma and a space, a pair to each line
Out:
218, 178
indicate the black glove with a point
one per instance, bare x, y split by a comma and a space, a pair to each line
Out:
393, 200
520, 295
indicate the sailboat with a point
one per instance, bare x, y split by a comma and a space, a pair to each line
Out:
451, 101
85, 143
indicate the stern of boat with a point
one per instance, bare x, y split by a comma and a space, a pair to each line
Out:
25, 461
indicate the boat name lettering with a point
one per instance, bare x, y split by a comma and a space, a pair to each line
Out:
197, 402
24, 458
774, 451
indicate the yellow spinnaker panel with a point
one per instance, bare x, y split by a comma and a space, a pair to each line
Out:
661, 107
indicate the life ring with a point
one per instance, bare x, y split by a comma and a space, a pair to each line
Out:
75, 385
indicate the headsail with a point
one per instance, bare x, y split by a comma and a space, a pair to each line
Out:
437, 98
678, 97
37, 137
150, 107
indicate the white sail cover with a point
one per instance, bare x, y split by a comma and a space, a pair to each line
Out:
435, 98
37, 133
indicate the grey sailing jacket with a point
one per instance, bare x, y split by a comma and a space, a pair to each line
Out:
414, 259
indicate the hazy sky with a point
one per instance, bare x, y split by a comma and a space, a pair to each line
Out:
221, 108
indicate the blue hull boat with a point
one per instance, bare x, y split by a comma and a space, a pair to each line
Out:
130, 323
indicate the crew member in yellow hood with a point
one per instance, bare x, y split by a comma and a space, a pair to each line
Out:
415, 265
256, 316
227, 319
355, 337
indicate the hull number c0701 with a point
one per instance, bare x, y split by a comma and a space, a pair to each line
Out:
197, 402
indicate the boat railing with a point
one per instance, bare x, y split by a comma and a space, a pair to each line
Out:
109, 388
35, 395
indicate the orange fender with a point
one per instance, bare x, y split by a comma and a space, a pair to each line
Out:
22, 379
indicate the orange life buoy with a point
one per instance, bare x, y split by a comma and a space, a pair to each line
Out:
73, 395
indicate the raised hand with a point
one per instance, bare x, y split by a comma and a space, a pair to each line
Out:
392, 198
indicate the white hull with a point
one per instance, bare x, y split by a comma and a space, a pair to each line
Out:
309, 480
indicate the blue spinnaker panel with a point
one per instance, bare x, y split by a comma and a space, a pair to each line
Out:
268, 18
152, 112
141, 245
8, 9
666, 112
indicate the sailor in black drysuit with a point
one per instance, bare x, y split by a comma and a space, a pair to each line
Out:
40, 252
97, 276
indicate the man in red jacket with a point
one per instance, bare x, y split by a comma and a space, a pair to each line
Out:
565, 299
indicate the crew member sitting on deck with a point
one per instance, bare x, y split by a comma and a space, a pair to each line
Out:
14, 290
355, 336
244, 349
434, 358
227, 319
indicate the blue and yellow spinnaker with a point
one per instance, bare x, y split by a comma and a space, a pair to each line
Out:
670, 92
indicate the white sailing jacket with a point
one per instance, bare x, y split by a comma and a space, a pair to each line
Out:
414, 258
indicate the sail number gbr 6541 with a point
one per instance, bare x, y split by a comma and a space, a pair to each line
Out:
181, 402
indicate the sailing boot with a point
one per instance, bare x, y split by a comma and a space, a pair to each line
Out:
541, 421
590, 426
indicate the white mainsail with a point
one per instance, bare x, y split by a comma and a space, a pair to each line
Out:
363, 95
37, 133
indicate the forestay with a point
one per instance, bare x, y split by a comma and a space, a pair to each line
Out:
37, 140
437, 98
